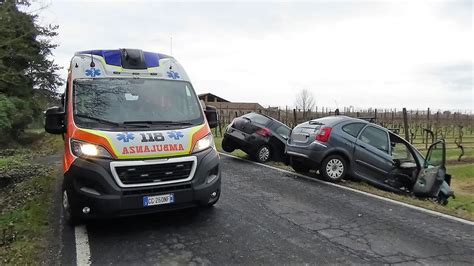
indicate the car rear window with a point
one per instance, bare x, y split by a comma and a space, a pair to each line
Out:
283, 131
328, 120
260, 119
353, 129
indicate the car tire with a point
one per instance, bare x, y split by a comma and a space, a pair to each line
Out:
299, 167
227, 145
263, 154
68, 214
333, 168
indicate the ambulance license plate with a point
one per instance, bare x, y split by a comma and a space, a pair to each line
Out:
158, 200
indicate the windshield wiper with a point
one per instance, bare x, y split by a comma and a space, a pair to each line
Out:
99, 120
149, 122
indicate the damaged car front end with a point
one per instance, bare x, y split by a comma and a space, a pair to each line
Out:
424, 177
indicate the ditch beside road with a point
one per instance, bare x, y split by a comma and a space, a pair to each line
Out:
462, 184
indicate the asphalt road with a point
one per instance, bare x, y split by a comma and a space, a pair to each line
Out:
266, 216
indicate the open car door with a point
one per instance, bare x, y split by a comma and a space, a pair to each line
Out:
432, 180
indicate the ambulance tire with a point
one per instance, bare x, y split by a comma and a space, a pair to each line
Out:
69, 217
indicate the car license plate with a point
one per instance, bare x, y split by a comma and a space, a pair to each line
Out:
158, 200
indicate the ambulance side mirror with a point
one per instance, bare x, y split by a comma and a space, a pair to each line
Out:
54, 120
211, 116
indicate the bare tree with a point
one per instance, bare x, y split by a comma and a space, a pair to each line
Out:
305, 101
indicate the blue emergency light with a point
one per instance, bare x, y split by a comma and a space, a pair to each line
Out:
128, 58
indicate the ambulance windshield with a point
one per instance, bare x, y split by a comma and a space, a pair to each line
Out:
108, 103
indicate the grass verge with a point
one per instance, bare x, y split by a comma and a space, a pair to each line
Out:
462, 183
25, 194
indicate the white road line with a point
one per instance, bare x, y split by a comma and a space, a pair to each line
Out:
83, 252
446, 216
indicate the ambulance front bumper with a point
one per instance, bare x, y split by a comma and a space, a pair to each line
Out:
91, 184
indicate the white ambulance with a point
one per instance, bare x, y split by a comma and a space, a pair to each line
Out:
137, 139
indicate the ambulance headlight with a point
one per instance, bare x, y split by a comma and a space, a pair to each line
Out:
204, 143
87, 150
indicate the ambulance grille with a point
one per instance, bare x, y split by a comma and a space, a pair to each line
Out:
152, 173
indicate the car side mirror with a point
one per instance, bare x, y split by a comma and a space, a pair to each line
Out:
211, 116
54, 120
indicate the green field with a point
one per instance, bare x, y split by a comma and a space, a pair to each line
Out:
462, 184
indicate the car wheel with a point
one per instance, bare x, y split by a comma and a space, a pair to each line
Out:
68, 215
299, 167
227, 145
263, 154
333, 168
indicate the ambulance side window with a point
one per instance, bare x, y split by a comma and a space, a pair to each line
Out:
190, 103
188, 96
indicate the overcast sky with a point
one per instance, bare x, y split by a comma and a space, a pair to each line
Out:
384, 54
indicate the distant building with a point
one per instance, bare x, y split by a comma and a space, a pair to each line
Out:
229, 109
209, 97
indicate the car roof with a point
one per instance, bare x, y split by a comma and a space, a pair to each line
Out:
335, 119
269, 117
365, 121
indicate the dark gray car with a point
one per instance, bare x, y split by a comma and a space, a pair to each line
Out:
338, 146
260, 136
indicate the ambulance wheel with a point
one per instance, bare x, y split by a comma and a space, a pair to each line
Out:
68, 215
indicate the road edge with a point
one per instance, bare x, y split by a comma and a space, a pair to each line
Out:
435, 213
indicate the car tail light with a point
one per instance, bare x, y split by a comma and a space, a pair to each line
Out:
263, 131
323, 134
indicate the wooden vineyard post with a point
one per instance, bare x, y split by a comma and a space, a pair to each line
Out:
294, 117
220, 126
405, 124
428, 125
